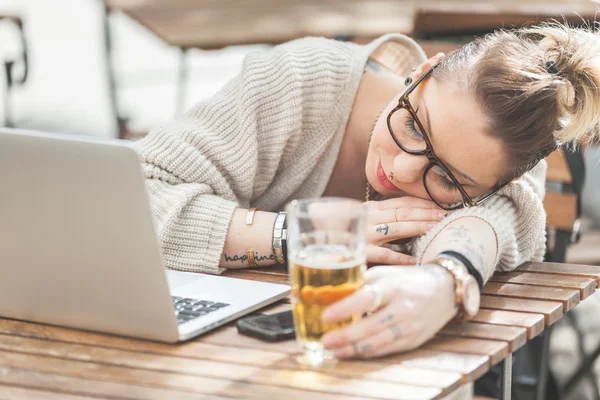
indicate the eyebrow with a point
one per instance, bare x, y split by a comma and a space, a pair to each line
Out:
431, 135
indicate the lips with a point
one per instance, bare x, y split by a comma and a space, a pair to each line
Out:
383, 179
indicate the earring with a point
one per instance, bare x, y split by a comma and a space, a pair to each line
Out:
408, 81
391, 175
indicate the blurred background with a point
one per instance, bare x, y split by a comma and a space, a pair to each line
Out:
116, 68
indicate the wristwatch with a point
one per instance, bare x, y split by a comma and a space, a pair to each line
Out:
467, 291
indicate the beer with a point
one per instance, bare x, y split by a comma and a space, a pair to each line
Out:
326, 247
324, 275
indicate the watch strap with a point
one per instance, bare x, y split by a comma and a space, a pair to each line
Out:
468, 264
279, 238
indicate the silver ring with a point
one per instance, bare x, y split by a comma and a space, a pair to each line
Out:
377, 296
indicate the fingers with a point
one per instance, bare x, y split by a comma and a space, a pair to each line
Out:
399, 214
382, 255
361, 330
390, 339
356, 304
385, 233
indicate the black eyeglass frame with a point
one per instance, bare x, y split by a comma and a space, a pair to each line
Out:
404, 103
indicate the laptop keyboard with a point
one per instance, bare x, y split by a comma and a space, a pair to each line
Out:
187, 309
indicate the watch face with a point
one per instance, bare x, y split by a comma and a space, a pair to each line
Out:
471, 297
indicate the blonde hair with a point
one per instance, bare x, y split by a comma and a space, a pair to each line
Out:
539, 87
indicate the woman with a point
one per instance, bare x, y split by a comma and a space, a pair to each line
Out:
314, 117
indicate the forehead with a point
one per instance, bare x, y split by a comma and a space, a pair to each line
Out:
458, 132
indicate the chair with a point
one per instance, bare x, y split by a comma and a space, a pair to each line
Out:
10, 66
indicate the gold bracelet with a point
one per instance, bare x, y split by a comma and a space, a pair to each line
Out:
251, 260
250, 216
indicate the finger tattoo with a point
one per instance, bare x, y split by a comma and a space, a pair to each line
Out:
366, 348
356, 349
386, 319
396, 331
383, 228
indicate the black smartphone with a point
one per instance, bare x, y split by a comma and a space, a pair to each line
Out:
271, 328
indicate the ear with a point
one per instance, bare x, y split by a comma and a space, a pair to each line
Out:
420, 70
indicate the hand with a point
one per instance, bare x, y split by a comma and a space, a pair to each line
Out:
418, 302
397, 219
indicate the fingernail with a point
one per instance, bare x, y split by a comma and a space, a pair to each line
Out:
412, 261
442, 214
431, 226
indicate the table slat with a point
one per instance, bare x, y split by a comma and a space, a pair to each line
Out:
471, 366
586, 286
182, 382
516, 337
552, 311
193, 349
534, 323
568, 297
588, 271
495, 350
66, 384
210, 352
185, 367
18, 393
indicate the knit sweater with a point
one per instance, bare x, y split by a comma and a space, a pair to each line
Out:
273, 134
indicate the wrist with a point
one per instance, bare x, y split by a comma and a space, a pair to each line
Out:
464, 261
466, 290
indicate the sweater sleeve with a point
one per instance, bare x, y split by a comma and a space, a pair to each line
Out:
516, 215
228, 149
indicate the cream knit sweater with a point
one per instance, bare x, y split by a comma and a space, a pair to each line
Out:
271, 135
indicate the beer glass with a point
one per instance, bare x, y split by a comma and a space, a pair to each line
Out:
326, 247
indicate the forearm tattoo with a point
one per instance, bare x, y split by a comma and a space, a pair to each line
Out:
244, 258
467, 245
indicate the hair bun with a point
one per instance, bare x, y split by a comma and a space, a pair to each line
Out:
573, 62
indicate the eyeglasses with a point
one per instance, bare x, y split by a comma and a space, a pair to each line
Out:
441, 185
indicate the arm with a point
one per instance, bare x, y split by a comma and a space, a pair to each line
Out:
241, 237
419, 301
249, 142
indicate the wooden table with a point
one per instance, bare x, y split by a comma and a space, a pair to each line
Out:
57, 363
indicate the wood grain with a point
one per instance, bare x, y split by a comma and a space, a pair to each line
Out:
568, 297
228, 388
552, 311
534, 323
18, 393
561, 210
65, 384
276, 376
495, 350
588, 271
586, 286
471, 366
558, 169
516, 337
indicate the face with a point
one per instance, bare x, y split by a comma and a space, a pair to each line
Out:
455, 124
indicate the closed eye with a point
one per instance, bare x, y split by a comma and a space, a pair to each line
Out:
409, 124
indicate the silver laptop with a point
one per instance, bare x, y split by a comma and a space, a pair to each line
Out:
78, 246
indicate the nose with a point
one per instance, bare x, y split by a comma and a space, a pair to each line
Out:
409, 168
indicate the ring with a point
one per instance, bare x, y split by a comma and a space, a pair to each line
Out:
377, 297
396, 215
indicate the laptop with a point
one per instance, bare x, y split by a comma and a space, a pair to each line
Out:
78, 246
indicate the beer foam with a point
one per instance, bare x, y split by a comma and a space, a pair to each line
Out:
327, 257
